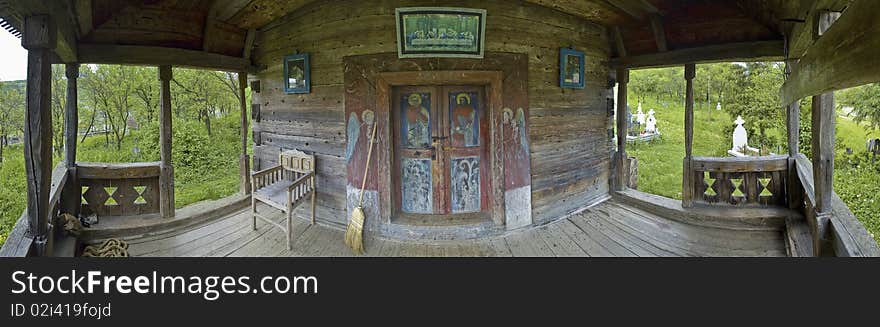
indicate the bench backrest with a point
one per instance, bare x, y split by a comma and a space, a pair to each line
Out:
297, 161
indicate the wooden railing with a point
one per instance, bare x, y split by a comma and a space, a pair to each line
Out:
20, 239
846, 236
119, 189
757, 181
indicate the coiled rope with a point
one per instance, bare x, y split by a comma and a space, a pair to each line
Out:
110, 248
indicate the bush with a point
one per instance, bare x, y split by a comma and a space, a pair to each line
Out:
857, 182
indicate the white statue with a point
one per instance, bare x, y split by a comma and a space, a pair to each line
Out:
718, 107
651, 123
640, 116
740, 140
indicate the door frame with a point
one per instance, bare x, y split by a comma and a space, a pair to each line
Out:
491, 80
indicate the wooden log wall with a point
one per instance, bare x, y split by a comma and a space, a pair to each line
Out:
568, 128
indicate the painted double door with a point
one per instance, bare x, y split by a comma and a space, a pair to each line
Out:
440, 150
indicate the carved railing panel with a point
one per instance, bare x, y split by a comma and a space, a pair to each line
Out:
758, 181
119, 189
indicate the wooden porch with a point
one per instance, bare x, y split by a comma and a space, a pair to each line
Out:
612, 228
757, 206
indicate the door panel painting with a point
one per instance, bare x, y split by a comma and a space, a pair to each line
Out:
464, 119
416, 125
417, 186
465, 191
441, 157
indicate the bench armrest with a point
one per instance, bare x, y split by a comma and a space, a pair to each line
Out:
265, 171
265, 177
301, 186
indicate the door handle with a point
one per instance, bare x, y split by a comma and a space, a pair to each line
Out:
438, 138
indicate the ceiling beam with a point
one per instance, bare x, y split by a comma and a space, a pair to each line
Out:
659, 33
83, 13
209, 31
159, 56
744, 51
230, 8
249, 43
637, 9
844, 56
618, 41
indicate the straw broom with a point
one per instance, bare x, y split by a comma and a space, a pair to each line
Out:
354, 234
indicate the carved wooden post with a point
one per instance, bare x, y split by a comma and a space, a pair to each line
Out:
166, 179
687, 182
71, 119
244, 163
621, 157
72, 199
823, 120
38, 39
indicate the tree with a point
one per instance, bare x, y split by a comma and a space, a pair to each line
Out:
146, 90
12, 103
204, 94
59, 101
757, 101
865, 101
110, 89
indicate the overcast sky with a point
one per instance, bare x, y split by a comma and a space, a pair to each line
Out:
13, 58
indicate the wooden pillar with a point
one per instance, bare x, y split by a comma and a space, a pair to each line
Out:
795, 194
687, 182
244, 163
621, 157
72, 199
166, 179
38, 39
823, 119
71, 119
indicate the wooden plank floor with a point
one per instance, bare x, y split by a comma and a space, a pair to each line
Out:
608, 229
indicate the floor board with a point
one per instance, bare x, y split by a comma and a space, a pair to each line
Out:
608, 229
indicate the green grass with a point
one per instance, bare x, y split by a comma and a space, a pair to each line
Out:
660, 161
12, 189
855, 180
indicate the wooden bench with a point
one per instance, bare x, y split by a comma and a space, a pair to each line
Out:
285, 187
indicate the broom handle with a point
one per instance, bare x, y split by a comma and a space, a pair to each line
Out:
367, 167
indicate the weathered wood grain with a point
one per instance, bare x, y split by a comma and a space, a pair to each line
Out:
166, 178
844, 56
38, 38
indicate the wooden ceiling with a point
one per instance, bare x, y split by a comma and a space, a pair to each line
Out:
221, 26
